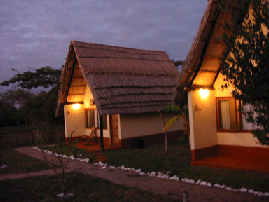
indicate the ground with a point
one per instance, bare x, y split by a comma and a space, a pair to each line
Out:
166, 187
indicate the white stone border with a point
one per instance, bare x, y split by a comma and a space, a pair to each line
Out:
163, 176
87, 160
185, 180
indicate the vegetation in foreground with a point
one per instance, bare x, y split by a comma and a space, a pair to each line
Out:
177, 162
20, 163
84, 188
71, 150
245, 61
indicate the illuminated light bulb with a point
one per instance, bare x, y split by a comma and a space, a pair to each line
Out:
204, 93
76, 106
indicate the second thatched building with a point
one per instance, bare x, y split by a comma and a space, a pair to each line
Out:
125, 88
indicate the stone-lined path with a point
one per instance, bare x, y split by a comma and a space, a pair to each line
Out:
166, 187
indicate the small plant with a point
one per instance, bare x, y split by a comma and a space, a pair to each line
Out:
42, 144
183, 114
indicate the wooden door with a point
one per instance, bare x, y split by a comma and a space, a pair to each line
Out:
114, 130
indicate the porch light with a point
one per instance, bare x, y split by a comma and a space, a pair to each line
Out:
204, 93
76, 106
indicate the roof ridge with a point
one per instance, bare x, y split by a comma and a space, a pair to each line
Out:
113, 46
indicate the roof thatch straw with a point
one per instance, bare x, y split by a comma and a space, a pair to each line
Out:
122, 80
202, 65
203, 62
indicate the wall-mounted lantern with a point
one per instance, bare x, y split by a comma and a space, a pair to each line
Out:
76, 106
204, 93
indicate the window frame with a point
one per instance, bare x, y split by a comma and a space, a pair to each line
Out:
86, 118
96, 120
238, 115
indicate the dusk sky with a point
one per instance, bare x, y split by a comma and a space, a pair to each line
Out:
36, 33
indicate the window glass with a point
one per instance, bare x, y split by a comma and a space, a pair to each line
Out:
228, 114
93, 119
224, 115
90, 118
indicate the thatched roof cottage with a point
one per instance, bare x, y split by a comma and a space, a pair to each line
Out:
126, 87
218, 131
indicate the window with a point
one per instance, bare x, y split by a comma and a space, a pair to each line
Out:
228, 115
93, 119
90, 118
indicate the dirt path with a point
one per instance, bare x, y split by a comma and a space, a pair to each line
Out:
166, 187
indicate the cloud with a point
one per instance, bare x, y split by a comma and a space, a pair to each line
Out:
35, 33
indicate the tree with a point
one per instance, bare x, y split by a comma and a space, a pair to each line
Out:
41, 107
62, 158
178, 64
38, 107
16, 97
44, 77
14, 100
246, 62
6, 114
183, 114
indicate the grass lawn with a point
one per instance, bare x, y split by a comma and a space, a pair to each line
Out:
20, 163
84, 187
46, 188
177, 161
87, 188
71, 150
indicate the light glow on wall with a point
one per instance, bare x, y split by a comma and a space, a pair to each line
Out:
204, 93
76, 106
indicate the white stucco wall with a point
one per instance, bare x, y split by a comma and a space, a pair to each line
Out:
74, 121
202, 117
145, 124
87, 98
222, 92
238, 139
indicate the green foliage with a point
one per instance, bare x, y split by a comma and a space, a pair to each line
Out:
16, 96
171, 122
34, 107
41, 107
172, 108
246, 64
177, 161
84, 187
71, 150
45, 77
20, 163
6, 114
183, 113
178, 64
16, 99
153, 158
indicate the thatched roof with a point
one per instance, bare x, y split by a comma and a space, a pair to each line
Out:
202, 65
122, 80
